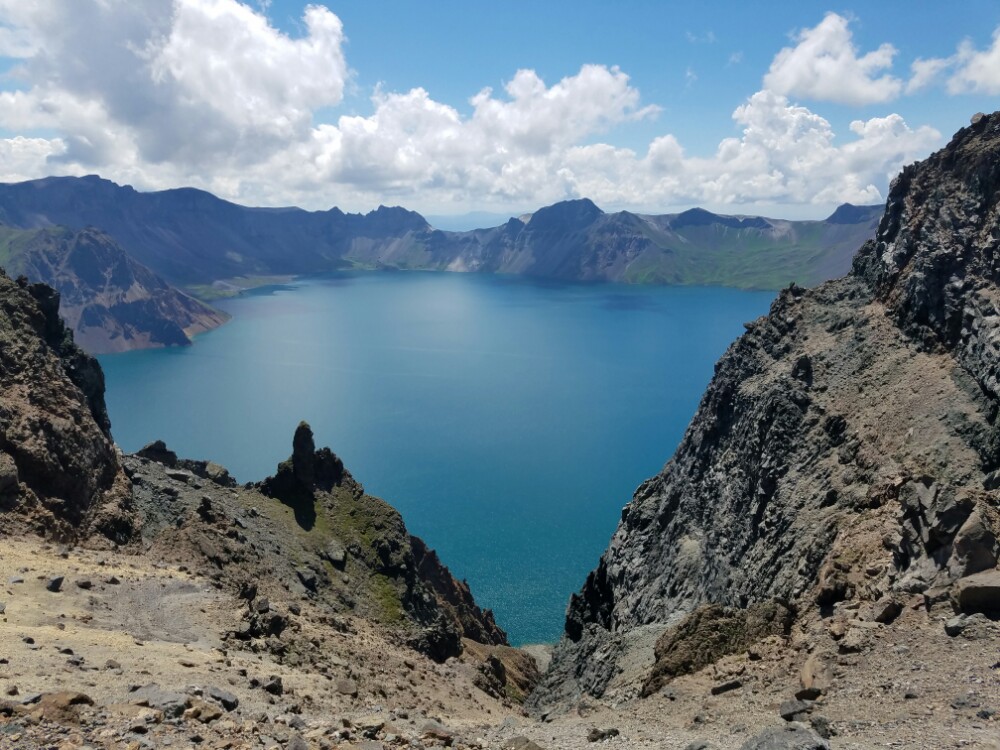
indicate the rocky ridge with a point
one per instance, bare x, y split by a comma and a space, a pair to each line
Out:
842, 465
194, 239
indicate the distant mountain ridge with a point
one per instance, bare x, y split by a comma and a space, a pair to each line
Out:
192, 238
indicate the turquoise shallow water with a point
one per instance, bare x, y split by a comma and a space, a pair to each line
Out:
508, 420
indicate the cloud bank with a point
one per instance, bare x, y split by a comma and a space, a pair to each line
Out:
208, 93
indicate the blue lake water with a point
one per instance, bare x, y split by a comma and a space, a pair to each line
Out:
508, 420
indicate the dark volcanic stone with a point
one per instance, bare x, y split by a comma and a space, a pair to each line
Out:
157, 451
273, 685
223, 697
795, 710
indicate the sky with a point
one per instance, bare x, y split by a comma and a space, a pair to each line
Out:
782, 108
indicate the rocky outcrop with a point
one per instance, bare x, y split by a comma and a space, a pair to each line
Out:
58, 467
111, 302
846, 449
366, 538
455, 597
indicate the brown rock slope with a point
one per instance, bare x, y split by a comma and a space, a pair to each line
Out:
59, 472
112, 302
843, 462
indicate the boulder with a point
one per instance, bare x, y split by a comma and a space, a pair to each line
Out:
223, 697
171, 703
347, 687
788, 737
8, 473
336, 553
976, 547
795, 710
885, 610
978, 593
158, 452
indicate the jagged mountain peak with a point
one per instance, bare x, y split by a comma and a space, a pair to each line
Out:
579, 212
848, 213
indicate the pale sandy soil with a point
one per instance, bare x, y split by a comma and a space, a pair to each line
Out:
164, 625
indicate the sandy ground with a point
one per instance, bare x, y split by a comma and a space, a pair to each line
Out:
139, 624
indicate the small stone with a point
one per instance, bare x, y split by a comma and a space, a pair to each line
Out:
955, 625
55, 583
822, 726
84, 583
794, 710
226, 699
273, 685
307, 577
885, 610
520, 743
347, 687
437, 731
599, 735
726, 687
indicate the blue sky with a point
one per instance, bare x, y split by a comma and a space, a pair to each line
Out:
449, 107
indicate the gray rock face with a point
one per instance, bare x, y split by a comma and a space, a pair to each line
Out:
878, 391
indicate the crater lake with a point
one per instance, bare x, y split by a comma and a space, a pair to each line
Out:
508, 420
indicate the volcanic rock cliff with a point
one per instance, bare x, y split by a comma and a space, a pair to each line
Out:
59, 471
843, 460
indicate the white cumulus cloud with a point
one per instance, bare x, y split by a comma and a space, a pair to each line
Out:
969, 70
824, 65
977, 71
201, 82
208, 93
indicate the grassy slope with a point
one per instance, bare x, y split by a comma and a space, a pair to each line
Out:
745, 258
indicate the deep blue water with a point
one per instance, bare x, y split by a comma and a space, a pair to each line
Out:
508, 420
